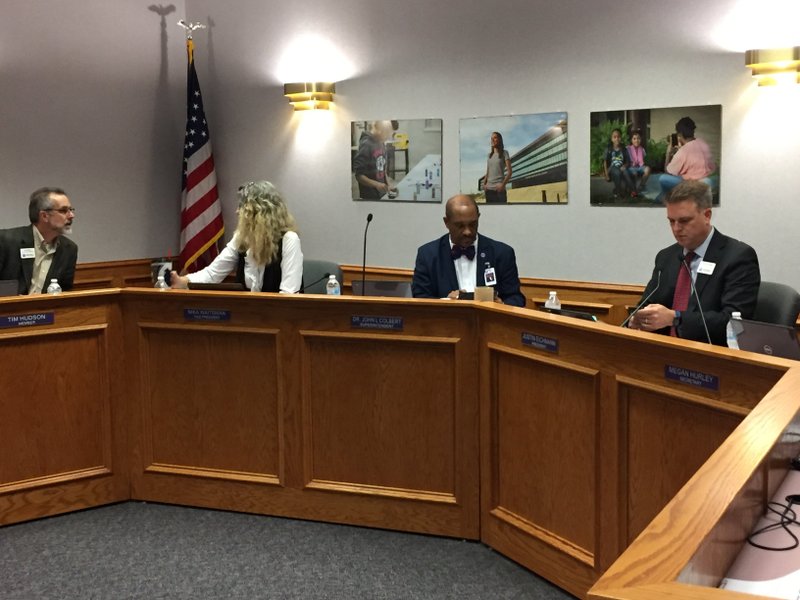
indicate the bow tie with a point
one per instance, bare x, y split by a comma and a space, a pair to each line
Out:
457, 252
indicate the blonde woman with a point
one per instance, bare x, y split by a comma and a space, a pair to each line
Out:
265, 249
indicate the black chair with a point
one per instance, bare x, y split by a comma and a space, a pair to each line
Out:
777, 303
314, 279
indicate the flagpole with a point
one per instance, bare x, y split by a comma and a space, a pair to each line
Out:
201, 210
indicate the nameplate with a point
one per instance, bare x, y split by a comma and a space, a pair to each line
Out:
690, 377
46, 318
540, 342
206, 314
370, 322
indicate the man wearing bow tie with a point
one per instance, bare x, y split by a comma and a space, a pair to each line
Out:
460, 261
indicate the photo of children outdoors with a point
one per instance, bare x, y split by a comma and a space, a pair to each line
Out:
638, 156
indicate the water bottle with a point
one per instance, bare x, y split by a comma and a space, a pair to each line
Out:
161, 284
332, 287
734, 328
553, 301
54, 288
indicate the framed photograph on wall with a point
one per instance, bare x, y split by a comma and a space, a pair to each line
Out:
396, 160
519, 159
638, 155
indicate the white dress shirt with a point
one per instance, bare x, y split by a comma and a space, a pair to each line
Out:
465, 269
228, 259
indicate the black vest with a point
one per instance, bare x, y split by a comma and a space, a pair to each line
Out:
272, 272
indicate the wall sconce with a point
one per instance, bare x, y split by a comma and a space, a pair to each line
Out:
310, 96
773, 66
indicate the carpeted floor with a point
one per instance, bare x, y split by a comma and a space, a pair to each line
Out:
141, 550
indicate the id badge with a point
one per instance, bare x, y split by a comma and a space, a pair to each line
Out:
489, 276
25, 253
706, 268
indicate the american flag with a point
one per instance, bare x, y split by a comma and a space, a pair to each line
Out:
201, 211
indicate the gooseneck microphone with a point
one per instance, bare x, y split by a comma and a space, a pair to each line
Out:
697, 299
313, 283
643, 302
364, 258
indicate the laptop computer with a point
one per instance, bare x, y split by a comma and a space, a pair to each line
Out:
9, 287
769, 338
382, 287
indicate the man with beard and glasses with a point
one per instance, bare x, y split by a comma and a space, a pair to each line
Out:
35, 254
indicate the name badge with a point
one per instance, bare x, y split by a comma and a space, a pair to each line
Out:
489, 276
706, 268
27, 253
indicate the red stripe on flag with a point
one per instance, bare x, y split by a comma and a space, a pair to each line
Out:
199, 207
204, 240
200, 172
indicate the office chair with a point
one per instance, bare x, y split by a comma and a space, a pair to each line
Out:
313, 271
777, 303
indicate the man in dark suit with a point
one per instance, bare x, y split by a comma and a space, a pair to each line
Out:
724, 270
460, 261
37, 253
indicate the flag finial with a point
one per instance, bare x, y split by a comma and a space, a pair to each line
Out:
190, 27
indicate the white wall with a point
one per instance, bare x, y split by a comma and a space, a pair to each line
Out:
405, 60
91, 100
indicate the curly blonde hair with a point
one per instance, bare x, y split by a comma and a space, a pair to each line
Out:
263, 221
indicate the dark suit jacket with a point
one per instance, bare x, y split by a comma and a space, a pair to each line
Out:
733, 286
12, 266
435, 274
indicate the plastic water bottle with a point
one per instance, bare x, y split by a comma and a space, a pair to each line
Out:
734, 328
332, 287
553, 301
54, 288
161, 284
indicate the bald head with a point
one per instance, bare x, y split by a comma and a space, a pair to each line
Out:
461, 219
459, 203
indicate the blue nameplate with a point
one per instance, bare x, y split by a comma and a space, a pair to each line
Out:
27, 320
690, 377
540, 342
205, 314
369, 322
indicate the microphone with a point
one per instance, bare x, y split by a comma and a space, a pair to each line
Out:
697, 299
313, 283
643, 302
364, 258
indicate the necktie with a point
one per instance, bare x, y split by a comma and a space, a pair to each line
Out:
457, 252
683, 287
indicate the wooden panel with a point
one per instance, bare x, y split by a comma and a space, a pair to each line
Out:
373, 428
385, 428
286, 407
119, 273
211, 428
54, 383
545, 424
61, 420
666, 439
691, 543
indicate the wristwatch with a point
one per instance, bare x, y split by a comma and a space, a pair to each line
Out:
677, 320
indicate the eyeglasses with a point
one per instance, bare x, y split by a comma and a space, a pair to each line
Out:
63, 210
